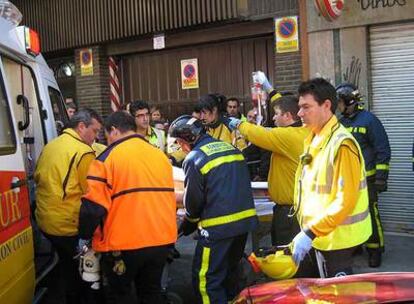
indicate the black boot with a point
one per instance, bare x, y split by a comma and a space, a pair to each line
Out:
374, 259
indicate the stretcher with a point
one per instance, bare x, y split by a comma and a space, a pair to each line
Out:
262, 202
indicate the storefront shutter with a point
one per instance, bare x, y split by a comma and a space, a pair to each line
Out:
392, 72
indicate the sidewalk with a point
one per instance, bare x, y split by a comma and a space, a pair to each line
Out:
399, 250
397, 257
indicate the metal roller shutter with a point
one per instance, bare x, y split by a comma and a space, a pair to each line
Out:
392, 66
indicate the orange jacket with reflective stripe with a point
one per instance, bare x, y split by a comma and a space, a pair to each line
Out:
133, 181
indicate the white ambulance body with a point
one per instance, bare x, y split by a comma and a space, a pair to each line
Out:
31, 108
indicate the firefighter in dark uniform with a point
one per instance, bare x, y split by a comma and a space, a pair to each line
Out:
373, 140
219, 203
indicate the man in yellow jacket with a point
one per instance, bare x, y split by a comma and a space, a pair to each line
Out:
286, 144
60, 178
213, 115
331, 197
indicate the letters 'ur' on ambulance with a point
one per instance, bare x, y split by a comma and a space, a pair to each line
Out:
31, 108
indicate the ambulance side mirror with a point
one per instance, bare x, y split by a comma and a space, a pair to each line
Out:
21, 99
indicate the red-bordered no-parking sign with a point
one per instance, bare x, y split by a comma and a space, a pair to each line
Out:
189, 74
286, 32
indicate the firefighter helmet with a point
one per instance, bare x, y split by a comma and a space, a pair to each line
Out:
187, 128
349, 93
278, 265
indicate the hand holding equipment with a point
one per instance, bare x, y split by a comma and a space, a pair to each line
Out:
260, 77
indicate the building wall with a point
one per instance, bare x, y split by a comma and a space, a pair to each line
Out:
93, 91
341, 51
125, 27
223, 67
362, 12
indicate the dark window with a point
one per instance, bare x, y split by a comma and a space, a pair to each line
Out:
59, 110
7, 140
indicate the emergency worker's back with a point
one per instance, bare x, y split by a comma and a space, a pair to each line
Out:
58, 186
139, 196
226, 199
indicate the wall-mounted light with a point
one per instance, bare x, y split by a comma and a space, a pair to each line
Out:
65, 69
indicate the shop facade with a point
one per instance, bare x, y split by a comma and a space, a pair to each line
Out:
371, 44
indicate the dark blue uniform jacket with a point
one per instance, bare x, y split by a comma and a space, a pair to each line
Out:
373, 140
218, 192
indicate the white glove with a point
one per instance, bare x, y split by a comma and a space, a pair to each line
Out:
260, 77
301, 246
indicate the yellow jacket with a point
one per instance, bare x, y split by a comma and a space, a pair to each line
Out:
331, 194
286, 145
98, 148
156, 138
221, 132
60, 178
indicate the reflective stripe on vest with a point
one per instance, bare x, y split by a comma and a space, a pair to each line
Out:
226, 219
351, 219
326, 189
219, 161
318, 197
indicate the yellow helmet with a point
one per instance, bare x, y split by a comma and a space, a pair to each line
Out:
278, 265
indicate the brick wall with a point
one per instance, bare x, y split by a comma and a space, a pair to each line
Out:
288, 66
288, 71
93, 91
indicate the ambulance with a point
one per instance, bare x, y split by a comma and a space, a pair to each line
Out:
32, 112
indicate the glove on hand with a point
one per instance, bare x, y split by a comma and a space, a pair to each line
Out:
233, 123
82, 243
261, 78
187, 227
381, 185
301, 246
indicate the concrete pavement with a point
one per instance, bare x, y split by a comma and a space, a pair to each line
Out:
397, 257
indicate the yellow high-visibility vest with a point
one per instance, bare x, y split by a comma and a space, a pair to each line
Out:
318, 192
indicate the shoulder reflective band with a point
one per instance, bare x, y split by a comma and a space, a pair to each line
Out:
219, 161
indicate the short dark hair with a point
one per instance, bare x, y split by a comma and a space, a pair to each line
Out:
83, 115
288, 104
197, 108
120, 120
71, 105
211, 101
136, 105
321, 90
233, 99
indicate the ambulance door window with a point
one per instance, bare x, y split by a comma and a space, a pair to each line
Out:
59, 110
7, 139
25, 106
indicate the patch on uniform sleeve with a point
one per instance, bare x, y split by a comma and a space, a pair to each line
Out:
216, 147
